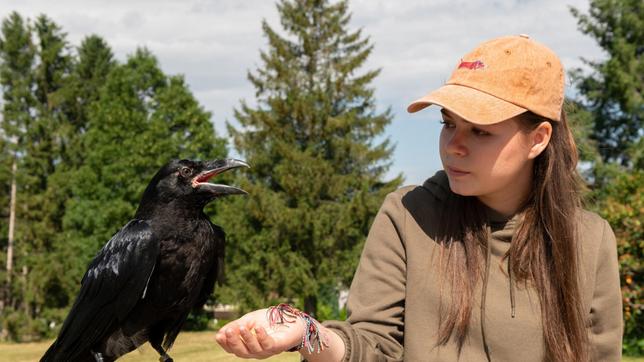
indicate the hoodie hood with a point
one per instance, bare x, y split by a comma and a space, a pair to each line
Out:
438, 185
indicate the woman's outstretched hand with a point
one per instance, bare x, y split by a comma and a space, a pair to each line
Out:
252, 336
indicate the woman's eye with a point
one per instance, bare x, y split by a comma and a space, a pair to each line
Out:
480, 132
447, 124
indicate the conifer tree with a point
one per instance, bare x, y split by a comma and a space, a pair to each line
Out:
34, 139
6, 161
90, 70
43, 202
17, 59
318, 160
613, 89
94, 62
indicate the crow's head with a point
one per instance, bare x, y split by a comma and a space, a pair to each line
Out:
185, 183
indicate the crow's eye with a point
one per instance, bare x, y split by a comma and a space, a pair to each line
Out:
186, 172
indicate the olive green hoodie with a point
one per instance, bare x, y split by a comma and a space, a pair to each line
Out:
393, 306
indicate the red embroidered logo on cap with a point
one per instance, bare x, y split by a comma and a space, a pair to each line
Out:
471, 65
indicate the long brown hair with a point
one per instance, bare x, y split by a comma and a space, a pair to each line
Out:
543, 251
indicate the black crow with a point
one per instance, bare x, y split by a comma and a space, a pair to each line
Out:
144, 282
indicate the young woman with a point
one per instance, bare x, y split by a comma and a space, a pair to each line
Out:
493, 258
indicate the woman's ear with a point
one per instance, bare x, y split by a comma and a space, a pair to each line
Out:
539, 138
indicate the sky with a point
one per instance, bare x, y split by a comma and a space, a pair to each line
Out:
417, 43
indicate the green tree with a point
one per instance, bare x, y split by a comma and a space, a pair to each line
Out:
17, 58
613, 89
611, 98
90, 70
6, 160
318, 160
95, 61
622, 204
36, 148
42, 220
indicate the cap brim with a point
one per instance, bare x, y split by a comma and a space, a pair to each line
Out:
469, 103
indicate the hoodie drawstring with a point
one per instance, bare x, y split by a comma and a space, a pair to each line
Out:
512, 303
486, 276
488, 258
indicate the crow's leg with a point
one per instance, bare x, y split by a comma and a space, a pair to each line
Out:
98, 356
163, 356
156, 344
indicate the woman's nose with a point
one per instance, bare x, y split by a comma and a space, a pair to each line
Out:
456, 144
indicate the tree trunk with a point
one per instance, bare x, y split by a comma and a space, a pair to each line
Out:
25, 301
311, 306
12, 223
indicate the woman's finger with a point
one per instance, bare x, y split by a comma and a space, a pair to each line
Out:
250, 340
265, 341
220, 337
222, 340
234, 341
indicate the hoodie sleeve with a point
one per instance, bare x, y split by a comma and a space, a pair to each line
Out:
374, 327
606, 322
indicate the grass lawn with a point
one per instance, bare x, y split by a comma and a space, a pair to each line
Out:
189, 346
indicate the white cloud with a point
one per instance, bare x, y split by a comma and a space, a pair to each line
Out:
215, 42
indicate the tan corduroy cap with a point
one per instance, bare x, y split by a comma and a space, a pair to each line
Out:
500, 79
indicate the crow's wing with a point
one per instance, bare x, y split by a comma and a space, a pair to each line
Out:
115, 280
216, 273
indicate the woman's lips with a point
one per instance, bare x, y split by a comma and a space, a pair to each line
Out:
455, 172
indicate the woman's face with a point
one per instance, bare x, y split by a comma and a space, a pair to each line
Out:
491, 162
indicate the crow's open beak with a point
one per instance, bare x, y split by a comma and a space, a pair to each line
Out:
214, 168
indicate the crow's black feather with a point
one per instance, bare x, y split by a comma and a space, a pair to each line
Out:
146, 279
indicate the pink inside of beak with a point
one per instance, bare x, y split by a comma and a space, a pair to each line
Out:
203, 177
